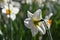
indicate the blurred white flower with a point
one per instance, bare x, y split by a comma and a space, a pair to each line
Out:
40, 2
11, 11
6, 1
56, 1
33, 23
1, 32
48, 20
27, 1
16, 4
30, 3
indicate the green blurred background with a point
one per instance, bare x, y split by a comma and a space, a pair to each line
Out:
16, 30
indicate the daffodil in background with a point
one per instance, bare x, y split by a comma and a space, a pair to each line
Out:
40, 2
48, 20
29, 2
11, 10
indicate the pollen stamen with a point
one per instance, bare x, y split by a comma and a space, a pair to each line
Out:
8, 11
36, 22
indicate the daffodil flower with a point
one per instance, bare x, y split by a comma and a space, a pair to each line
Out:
48, 20
33, 23
11, 11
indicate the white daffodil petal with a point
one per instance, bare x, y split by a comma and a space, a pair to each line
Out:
13, 16
34, 31
48, 24
6, 6
28, 23
43, 27
16, 4
10, 6
6, 1
38, 14
41, 30
4, 10
15, 10
48, 16
29, 14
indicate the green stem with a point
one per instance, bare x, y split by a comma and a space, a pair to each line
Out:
34, 37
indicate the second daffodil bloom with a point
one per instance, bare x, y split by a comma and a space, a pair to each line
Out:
48, 20
33, 23
11, 11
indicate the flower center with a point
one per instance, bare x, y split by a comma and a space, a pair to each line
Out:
8, 11
50, 22
36, 22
